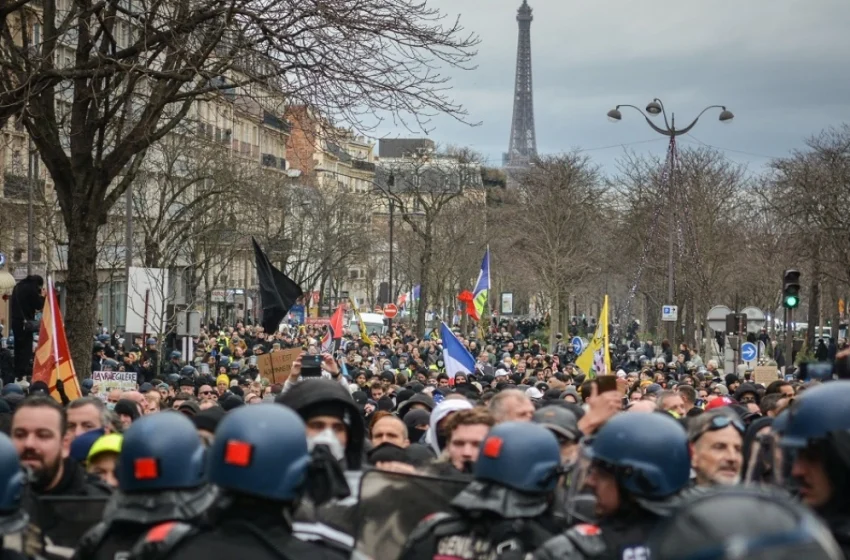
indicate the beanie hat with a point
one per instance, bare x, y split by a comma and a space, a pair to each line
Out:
222, 379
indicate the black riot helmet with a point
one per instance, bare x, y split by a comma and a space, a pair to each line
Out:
732, 523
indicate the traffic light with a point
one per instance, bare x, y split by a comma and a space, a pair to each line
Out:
791, 289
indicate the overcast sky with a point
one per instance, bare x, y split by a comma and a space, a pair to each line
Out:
780, 65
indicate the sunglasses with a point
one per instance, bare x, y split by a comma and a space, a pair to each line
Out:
718, 423
205, 393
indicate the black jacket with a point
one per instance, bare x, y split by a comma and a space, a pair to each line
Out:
75, 482
25, 302
236, 533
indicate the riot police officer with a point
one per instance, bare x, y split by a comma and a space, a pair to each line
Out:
161, 478
816, 441
634, 466
259, 460
505, 512
735, 522
13, 518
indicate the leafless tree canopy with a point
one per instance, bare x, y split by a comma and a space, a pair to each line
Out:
97, 83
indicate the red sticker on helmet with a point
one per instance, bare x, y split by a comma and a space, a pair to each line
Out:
146, 468
493, 447
238, 453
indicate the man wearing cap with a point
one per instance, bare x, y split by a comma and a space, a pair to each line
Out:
564, 424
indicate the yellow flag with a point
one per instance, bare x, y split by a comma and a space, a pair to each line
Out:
364, 336
595, 359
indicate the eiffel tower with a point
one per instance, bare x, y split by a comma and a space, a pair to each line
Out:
523, 144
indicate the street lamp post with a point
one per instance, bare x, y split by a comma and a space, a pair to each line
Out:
390, 184
655, 108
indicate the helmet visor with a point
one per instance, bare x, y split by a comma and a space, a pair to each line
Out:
581, 500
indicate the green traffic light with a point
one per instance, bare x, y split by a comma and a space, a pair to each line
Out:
791, 301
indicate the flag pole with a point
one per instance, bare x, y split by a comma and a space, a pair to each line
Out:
53, 335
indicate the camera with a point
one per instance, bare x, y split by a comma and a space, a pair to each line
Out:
311, 365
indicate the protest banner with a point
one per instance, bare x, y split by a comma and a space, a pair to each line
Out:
276, 366
105, 381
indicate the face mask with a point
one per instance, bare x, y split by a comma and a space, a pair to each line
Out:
402, 365
416, 434
328, 439
441, 441
110, 406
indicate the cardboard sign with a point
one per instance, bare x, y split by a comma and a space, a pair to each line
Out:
765, 374
106, 381
276, 366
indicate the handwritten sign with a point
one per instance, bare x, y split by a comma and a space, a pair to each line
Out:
105, 381
765, 374
276, 366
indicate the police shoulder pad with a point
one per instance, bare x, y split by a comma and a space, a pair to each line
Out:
588, 539
587, 530
437, 524
161, 539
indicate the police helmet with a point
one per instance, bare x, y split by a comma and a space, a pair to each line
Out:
743, 522
161, 452
260, 450
648, 454
12, 478
97, 347
104, 338
151, 342
176, 355
519, 455
188, 371
817, 413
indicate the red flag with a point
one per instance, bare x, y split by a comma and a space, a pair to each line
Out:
469, 299
334, 331
52, 357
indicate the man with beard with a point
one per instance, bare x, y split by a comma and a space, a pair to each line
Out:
38, 431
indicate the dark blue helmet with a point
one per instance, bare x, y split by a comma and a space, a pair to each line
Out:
161, 452
176, 354
188, 371
260, 450
742, 522
648, 453
12, 479
817, 413
519, 455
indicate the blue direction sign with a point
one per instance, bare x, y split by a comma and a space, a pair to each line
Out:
578, 345
748, 352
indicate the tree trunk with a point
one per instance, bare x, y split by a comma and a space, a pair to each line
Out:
554, 318
424, 273
832, 310
814, 304
81, 293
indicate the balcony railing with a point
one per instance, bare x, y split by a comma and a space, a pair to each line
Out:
363, 165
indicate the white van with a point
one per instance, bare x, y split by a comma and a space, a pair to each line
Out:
374, 323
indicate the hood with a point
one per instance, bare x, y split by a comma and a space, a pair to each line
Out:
441, 411
744, 388
418, 398
309, 392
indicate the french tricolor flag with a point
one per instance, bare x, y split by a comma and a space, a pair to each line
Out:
456, 357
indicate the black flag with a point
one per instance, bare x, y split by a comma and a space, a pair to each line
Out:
278, 292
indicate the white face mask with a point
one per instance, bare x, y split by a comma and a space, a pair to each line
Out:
327, 438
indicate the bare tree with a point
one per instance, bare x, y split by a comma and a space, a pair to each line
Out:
97, 84
422, 188
562, 200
